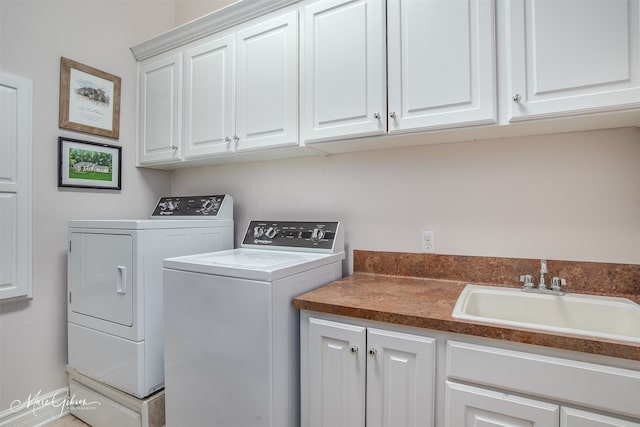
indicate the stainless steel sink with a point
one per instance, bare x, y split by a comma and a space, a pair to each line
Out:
591, 315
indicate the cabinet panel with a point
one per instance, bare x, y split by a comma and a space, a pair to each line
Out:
160, 112
434, 84
337, 374
570, 417
569, 57
268, 84
209, 97
400, 379
343, 69
468, 406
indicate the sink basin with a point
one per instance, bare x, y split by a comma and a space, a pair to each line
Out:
591, 315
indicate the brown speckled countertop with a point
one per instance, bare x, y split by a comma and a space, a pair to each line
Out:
428, 303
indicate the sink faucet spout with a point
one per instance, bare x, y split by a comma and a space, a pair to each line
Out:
543, 271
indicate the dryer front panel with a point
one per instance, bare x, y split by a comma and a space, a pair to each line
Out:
101, 276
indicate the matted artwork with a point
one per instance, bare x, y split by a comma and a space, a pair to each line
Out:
88, 164
89, 99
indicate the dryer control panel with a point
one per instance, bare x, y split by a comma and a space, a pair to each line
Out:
195, 207
293, 234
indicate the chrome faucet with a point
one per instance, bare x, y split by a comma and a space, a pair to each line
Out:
543, 271
556, 282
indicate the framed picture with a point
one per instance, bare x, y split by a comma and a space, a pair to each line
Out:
88, 164
89, 99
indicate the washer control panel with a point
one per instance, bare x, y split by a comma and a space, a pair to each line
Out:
293, 234
195, 206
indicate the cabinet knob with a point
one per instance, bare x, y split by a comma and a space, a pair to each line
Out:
354, 349
236, 138
392, 114
373, 351
227, 139
517, 98
174, 147
376, 116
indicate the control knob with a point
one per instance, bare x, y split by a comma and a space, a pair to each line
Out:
258, 232
163, 206
317, 234
271, 232
172, 206
207, 205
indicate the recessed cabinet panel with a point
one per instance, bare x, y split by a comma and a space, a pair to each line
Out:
570, 57
571, 417
336, 374
268, 84
343, 69
209, 97
436, 84
160, 115
400, 379
469, 406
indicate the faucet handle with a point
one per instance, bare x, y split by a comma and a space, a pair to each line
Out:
557, 283
527, 280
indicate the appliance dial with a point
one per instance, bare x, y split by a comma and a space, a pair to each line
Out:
317, 234
271, 232
258, 232
207, 205
173, 206
163, 206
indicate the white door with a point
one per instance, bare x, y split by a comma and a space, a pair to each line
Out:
468, 406
400, 379
441, 64
337, 372
100, 276
209, 101
15, 186
343, 69
160, 111
267, 86
571, 417
568, 57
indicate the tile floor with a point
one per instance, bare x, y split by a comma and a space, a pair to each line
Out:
67, 421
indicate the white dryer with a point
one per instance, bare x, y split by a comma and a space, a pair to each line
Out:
231, 331
115, 286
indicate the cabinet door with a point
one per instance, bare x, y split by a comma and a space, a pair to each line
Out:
267, 87
343, 76
570, 417
400, 379
468, 406
568, 57
441, 64
160, 112
209, 119
336, 392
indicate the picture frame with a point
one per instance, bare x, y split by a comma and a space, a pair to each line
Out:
89, 99
84, 164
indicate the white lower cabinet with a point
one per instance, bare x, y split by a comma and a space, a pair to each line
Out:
502, 376
571, 417
469, 406
348, 367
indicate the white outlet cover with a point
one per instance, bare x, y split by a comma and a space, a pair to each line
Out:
428, 242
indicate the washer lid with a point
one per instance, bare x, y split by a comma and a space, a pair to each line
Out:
252, 264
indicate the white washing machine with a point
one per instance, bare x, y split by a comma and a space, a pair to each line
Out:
231, 331
115, 287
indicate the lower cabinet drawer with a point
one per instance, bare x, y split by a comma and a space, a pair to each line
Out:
585, 384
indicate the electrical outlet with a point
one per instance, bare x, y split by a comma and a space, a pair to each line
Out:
428, 242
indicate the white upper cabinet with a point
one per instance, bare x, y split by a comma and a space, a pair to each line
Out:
160, 109
209, 104
570, 57
442, 64
267, 84
343, 69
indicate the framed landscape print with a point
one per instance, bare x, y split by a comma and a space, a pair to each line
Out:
89, 99
88, 164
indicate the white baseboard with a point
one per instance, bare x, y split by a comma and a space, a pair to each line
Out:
36, 409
